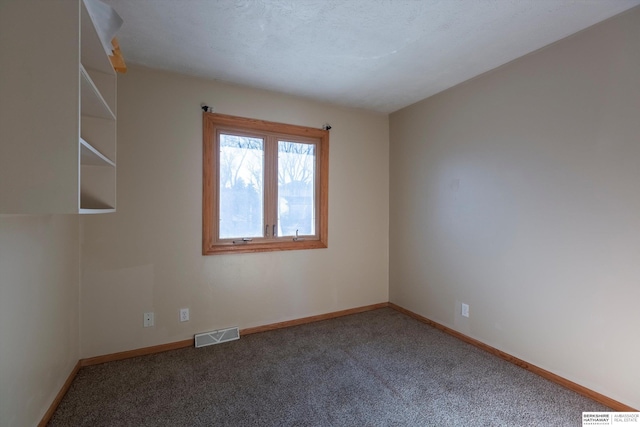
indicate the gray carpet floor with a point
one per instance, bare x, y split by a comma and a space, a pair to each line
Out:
379, 368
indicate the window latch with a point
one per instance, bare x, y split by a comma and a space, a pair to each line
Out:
298, 239
244, 240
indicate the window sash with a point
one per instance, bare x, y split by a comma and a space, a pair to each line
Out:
240, 181
296, 203
271, 195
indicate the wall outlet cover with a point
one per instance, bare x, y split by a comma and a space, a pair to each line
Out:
148, 320
465, 310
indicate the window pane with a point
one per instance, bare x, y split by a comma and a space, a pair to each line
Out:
296, 195
241, 188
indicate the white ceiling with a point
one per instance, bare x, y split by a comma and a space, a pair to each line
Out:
379, 55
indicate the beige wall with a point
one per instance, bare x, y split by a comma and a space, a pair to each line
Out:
39, 275
518, 193
147, 256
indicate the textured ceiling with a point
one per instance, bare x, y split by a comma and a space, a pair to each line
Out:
379, 55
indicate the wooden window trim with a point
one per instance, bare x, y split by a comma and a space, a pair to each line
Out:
210, 201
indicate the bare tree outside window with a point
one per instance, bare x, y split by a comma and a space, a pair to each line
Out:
241, 190
296, 178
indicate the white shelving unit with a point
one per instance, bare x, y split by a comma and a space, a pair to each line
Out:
57, 111
98, 122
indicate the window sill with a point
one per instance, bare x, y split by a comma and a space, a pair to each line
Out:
230, 248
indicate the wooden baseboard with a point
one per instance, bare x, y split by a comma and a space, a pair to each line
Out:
607, 401
311, 319
54, 405
135, 353
189, 343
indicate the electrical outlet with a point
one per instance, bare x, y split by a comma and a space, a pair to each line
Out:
184, 314
148, 320
465, 310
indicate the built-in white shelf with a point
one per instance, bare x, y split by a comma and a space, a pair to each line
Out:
57, 157
89, 156
92, 52
97, 122
92, 102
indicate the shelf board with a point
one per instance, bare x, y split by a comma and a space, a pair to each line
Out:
96, 211
91, 101
90, 204
92, 157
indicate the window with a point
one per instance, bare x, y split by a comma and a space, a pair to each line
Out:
265, 186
